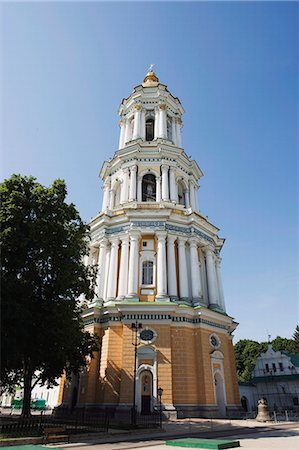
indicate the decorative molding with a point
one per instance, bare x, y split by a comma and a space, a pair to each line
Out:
181, 319
157, 225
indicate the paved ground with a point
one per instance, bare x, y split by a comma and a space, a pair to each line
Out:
251, 434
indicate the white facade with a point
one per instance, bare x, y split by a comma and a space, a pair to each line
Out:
150, 198
39, 392
275, 377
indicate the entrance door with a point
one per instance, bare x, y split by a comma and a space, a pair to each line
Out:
220, 396
146, 392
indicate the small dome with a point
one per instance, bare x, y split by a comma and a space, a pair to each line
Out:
151, 78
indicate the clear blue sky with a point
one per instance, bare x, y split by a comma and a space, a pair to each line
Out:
65, 68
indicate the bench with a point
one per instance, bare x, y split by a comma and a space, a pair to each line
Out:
56, 433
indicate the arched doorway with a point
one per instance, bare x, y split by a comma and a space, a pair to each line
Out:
220, 394
146, 386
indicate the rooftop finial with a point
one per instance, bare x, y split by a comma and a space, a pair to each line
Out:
151, 68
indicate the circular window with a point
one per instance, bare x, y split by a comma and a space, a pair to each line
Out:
214, 341
147, 335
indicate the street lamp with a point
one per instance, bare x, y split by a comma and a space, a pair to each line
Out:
160, 392
135, 327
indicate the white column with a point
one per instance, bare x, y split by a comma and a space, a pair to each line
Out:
165, 188
113, 266
137, 122
187, 198
192, 194
127, 131
107, 263
158, 189
173, 185
157, 121
139, 189
133, 267
132, 195
125, 185
123, 269
173, 128
171, 268
178, 132
195, 273
196, 198
161, 266
142, 130
211, 276
162, 122
105, 204
111, 199
101, 268
203, 277
220, 285
122, 134
183, 274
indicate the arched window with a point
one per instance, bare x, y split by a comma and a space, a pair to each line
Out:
147, 272
149, 188
181, 196
117, 196
149, 129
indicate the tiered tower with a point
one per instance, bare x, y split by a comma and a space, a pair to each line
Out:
159, 278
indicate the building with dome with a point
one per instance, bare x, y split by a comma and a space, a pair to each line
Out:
159, 279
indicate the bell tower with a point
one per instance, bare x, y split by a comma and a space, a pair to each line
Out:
159, 278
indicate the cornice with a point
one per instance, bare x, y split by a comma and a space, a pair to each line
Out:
144, 152
172, 313
151, 93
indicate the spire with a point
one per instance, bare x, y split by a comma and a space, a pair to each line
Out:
151, 78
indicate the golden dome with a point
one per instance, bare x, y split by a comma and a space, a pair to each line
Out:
151, 78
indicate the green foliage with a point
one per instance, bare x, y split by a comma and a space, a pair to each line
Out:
283, 344
296, 340
247, 351
43, 243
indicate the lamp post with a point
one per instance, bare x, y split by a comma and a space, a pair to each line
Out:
135, 327
160, 392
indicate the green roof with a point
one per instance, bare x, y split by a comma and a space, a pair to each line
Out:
276, 378
294, 359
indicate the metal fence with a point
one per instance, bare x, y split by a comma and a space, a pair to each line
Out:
76, 422
34, 426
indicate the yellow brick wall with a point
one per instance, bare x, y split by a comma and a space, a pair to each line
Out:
184, 371
127, 372
231, 381
184, 368
205, 378
164, 361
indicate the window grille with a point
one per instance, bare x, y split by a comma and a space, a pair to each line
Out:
149, 188
148, 272
149, 129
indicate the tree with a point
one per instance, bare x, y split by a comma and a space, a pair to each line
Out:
246, 352
283, 344
43, 243
296, 340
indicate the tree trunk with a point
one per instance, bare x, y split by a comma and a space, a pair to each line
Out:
26, 409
